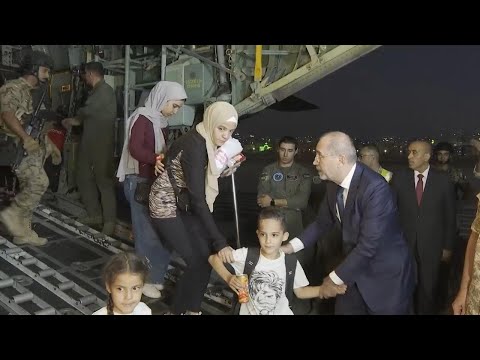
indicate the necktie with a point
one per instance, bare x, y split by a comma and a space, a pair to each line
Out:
340, 204
419, 189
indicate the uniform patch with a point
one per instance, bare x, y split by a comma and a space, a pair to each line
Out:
306, 176
264, 176
316, 179
278, 176
292, 177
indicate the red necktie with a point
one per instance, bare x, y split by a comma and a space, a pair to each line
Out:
419, 189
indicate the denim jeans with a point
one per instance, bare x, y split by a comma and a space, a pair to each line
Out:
147, 242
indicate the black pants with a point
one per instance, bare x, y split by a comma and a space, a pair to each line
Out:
186, 235
426, 294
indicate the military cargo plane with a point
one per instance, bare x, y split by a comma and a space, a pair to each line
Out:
63, 277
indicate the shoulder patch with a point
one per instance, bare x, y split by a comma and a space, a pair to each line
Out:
264, 176
278, 176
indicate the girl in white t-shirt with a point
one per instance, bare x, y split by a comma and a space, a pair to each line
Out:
124, 277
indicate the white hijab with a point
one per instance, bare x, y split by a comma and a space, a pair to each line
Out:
162, 92
219, 112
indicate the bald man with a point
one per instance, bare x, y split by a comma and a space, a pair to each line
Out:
426, 201
377, 265
370, 156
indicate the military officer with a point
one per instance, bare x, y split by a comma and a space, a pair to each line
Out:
286, 184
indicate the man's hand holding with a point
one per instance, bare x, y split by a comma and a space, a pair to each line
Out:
446, 255
287, 248
67, 123
30, 145
329, 289
264, 200
226, 254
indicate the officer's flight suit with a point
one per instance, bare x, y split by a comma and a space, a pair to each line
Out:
95, 161
292, 183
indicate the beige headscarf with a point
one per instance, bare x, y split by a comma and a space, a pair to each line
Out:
219, 112
158, 97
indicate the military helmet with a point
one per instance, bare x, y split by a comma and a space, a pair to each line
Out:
33, 60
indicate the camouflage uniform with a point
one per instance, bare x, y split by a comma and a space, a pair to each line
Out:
473, 294
292, 183
455, 175
15, 97
457, 178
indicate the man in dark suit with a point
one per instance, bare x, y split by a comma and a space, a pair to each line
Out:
377, 268
426, 201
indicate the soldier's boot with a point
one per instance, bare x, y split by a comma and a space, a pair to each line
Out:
30, 237
108, 228
12, 218
91, 220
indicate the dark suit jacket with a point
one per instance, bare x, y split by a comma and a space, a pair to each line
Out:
431, 227
377, 257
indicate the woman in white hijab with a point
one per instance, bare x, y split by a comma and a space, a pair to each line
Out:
181, 202
144, 142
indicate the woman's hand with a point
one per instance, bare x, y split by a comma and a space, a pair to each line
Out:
231, 169
458, 304
159, 166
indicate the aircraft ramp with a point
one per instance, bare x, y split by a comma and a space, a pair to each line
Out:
63, 277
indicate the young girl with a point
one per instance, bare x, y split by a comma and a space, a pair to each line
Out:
124, 277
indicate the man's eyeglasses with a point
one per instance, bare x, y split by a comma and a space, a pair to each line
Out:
361, 156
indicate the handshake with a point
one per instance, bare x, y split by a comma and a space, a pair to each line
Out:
329, 289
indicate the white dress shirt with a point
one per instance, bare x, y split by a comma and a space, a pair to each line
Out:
425, 175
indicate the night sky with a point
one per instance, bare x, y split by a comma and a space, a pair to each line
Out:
396, 90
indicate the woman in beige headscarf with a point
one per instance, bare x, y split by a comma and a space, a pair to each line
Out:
467, 301
143, 142
187, 225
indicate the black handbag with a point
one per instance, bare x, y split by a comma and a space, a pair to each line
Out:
142, 192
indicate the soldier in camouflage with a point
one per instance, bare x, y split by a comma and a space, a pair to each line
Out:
15, 108
443, 154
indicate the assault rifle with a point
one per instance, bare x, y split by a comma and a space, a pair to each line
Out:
33, 128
